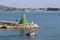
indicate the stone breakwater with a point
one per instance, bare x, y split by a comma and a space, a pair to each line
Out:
11, 24
21, 26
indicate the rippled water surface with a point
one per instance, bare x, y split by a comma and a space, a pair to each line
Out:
49, 22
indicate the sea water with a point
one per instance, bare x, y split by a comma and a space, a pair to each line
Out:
48, 21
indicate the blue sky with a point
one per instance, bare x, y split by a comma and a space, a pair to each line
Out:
31, 3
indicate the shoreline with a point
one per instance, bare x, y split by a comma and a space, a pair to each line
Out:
29, 9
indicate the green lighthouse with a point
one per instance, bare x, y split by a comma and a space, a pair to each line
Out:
23, 19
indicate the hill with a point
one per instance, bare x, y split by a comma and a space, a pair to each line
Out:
2, 6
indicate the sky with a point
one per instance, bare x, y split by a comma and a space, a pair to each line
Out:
31, 3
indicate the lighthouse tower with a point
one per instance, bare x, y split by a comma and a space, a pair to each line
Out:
23, 19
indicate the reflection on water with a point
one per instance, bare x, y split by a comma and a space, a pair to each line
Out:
23, 31
14, 34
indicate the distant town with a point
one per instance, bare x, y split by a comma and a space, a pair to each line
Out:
29, 9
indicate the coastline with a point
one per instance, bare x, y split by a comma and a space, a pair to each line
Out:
30, 9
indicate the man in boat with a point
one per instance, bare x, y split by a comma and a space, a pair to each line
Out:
31, 33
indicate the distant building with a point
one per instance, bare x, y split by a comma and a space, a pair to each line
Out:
52, 9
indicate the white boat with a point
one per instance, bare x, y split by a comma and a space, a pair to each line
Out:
31, 33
